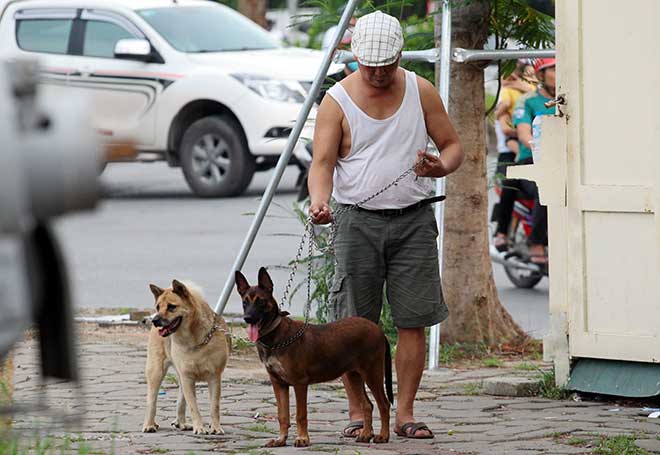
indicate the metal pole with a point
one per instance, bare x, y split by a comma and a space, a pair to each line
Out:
445, 59
291, 7
284, 158
461, 55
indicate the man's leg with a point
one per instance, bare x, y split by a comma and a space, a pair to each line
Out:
357, 289
410, 358
414, 293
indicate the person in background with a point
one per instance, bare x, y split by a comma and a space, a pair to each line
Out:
345, 42
521, 81
527, 109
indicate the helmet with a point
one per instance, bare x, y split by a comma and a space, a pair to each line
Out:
543, 63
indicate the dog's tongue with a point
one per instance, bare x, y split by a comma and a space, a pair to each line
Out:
253, 332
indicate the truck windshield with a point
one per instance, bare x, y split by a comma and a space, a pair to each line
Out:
213, 28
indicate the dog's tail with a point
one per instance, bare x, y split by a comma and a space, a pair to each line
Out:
388, 372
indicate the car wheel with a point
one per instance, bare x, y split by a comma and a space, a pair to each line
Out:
215, 159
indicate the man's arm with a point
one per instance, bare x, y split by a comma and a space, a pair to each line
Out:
441, 131
327, 140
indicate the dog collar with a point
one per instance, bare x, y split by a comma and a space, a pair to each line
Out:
271, 327
209, 335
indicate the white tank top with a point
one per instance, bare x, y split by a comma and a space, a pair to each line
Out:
381, 150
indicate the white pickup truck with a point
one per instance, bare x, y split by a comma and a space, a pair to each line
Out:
191, 81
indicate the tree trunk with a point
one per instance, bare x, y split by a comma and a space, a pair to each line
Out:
476, 314
254, 10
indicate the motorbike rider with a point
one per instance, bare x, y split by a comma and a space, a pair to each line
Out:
519, 82
527, 109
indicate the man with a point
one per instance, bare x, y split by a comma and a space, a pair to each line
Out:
526, 111
374, 125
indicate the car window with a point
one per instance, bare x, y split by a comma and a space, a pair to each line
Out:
101, 37
44, 35
212, 28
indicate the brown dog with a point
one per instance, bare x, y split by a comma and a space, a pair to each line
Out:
353, 346
187, 334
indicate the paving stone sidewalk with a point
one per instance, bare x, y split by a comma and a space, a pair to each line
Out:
111, 403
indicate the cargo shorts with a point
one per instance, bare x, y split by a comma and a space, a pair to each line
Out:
391, 255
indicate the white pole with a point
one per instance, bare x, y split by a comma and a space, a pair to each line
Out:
291, 7
284, 159
445, 58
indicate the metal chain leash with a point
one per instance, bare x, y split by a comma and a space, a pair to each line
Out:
308, 235
216, 328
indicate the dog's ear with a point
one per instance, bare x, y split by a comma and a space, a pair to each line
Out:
156, 291
241, 283
180, 289
265, 282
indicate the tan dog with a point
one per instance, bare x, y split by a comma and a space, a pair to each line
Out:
187, 334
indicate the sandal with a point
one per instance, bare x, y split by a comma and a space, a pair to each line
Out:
352, 429
409, 429
501, 244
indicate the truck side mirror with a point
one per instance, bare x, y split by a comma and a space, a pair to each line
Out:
133, 49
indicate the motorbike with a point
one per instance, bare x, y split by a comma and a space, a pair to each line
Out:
516, 260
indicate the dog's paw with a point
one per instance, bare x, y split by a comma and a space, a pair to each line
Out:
276, 443
364, 437
378, 439
301, 442
200, 430
217, 430
181, 426
150, 428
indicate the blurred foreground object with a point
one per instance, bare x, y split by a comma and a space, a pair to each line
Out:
49, 166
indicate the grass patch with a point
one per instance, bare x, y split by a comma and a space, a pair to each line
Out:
576, 442
450, 353
493, 362
241, 344
619, 445
471, 389
260, 428
525, 366
17, 445
171, 379
548, 388
126, 310
159, 450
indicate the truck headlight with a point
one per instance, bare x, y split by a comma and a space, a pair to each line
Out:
273, 89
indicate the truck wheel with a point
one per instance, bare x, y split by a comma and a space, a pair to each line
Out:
215, 159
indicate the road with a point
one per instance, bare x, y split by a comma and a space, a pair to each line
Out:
149, 228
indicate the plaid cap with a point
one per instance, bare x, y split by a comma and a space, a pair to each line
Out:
377, 39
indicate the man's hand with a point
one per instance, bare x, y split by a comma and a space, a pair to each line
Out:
320, 213
432, 165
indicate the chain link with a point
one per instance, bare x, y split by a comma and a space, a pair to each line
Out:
216, 328
308, 235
